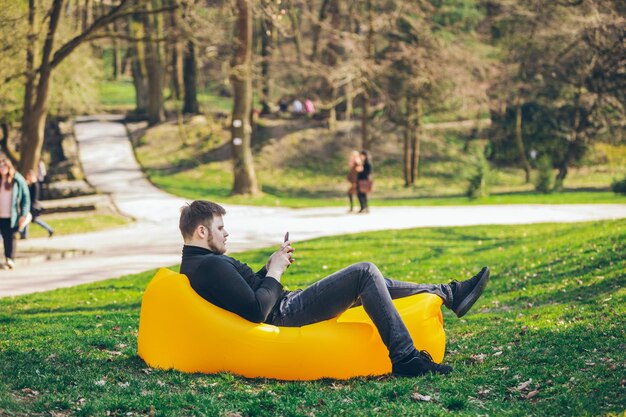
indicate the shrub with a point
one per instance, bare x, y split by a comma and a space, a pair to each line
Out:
544, 181
619, 187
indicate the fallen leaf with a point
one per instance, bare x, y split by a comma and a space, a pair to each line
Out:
478, 358
523, 385
416, 396
30, 392
532, 394
498, 353
524, 329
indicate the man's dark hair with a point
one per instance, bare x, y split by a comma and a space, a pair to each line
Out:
197, 213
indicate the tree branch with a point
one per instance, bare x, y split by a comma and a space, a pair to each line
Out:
117, 12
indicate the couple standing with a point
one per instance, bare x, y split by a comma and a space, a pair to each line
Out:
360, 178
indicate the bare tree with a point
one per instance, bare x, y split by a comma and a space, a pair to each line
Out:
241, 78
38, 79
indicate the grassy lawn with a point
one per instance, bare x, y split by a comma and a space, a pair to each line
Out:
546, 339
211, 182
64, 224
301, 164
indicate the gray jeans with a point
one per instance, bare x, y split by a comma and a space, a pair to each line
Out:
358, 284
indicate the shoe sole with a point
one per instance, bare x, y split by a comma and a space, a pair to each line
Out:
471, 298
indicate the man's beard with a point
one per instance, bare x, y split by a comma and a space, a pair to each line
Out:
212, 248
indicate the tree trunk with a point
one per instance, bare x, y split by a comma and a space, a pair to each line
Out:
317, 28
519, 141
137, 58
297, 33
177, 57
34, 120
366, 96
365, 120
267, 35
4, 143
241, 78
349, 104
573, 147
412, 148
117, 54
87, 17
31, 47
190, 80
407, 158
415, 140
156, 111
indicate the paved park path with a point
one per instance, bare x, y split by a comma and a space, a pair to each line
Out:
154, 240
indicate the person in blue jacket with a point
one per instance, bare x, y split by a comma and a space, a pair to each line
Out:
14, 208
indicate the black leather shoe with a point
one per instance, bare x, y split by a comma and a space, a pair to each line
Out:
417, 364
465, 293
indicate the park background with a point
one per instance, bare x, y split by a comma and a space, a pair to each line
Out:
461, 102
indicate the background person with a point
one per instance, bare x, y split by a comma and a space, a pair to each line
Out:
42, 177
35, 206
14, 208
365, 182
355, 166
260, 297
297, 107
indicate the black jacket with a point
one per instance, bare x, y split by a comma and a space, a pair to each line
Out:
230, 284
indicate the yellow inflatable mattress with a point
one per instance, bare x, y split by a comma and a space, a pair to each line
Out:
180, 330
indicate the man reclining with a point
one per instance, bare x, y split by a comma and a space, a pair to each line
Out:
260, 297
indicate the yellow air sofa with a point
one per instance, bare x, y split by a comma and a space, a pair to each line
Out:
180, 330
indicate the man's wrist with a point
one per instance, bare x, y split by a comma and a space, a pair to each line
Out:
274, 273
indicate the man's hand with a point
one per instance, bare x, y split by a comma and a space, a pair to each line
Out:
280, 260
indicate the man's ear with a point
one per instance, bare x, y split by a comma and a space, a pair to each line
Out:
201, 231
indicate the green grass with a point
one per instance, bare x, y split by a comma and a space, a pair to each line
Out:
300, 164
209, 182
551, 323
77, 223
117, 93
120, 96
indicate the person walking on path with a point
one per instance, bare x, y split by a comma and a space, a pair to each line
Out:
35, 206
42, 177
14, 208
355, 166
364, 181
260, 297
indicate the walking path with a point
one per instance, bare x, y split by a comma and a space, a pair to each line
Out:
154, 240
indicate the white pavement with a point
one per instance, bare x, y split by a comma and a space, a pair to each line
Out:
154, 240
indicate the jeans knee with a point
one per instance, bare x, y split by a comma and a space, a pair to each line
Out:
369, 270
